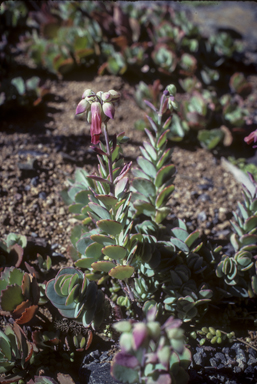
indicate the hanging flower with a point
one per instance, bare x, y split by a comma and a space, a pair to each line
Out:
96, 122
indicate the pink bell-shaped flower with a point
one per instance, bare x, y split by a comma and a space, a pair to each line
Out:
96, 122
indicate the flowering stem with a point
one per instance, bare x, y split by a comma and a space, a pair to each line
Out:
109, 155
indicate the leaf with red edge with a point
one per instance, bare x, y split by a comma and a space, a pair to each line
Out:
27, 315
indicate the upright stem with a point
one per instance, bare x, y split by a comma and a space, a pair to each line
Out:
109, 155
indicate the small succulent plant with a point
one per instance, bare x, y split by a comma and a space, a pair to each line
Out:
12, 250
77, 298
15, 353
151, 352
152, 185
19, 294
239, 272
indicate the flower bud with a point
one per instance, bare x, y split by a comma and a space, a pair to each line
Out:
172, 105
114, 94
109, 110
87, 92
171, 89
106, 96
83, 106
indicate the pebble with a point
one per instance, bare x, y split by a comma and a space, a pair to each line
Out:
202, 216
42, 195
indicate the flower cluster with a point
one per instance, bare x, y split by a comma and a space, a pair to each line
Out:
99, 108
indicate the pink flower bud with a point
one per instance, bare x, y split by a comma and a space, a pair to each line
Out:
82, 107
109, 110
96, 122
106, 96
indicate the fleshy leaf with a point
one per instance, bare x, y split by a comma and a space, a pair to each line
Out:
164, 195
110, 226
163, 174
115, 252
103, 266
122, 272
144, 186
102, 239
146, 166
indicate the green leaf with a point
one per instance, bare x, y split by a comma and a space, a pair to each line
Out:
179, 244
85, 262
165, 156
164, 174
115, 252
19, 84
107, 200
103, 266
143, 207
11, 297
146, 166
83, 243
164, 196
121, 187
243, 211
250, 223
180, 233
122, 272
94, 250
161, 214
248, 239
82, 197
124, 374
150, 150
75, 208
192, 238
32, 83
210, 138
111, 227
162, 138
144, 186
16, 276
139, 173
100, 211
73, 295
102, 239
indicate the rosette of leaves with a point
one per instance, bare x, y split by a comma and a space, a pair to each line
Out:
77, 298
15, 353
164, 58
22, 93
233, 111
223, 44
183, 298
19, 294
151, 352
11, 250
149, 92
195, 111
239, 84
152, 185
239, 272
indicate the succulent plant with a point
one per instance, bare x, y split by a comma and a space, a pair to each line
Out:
19, 294
151, 352
152, 184
11, 250
239, 272
15, 353
77, 298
